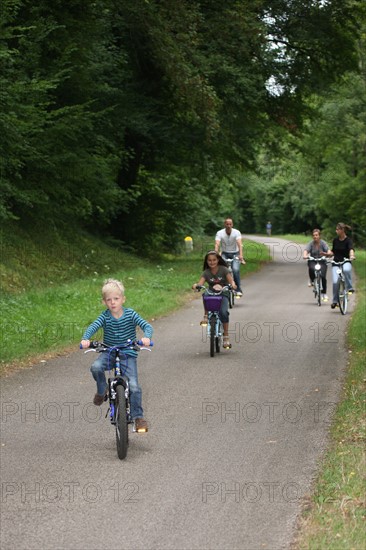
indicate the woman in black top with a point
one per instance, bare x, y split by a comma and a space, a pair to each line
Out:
342, 248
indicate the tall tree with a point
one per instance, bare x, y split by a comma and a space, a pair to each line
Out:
123, 109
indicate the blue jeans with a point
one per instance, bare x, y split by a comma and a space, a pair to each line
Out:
347, 270
235, 266
129, 369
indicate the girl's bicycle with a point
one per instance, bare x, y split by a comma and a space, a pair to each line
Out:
215, 330
118, 393
318, 285
342, 293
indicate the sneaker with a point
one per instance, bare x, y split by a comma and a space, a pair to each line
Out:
238, 294
99, 399
325, 298
351, 290
141, 425
334, 305
310, 283
204, 321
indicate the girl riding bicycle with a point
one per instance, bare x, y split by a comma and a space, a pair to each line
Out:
217, 275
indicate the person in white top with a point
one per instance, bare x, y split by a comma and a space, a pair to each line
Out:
229, 240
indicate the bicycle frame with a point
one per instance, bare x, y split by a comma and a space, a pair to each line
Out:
342, 293
118, 379
318, 285
232, 292
214, 332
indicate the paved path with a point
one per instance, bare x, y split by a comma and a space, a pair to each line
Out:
234, 440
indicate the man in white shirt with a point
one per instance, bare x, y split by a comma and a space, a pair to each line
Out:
229, 240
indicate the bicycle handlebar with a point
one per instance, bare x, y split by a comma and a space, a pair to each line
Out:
200, 287
321, 259
230, 260
130, 344
345, 260
226, 287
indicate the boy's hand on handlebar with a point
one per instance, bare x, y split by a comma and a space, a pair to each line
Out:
146, 341
84, 344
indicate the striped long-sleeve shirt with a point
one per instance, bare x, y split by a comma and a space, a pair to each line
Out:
118, 331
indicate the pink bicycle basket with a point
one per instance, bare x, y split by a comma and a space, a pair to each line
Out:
212, 303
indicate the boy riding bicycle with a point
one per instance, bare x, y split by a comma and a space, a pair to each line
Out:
119, 325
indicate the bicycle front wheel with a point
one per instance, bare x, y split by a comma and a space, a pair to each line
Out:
318, 292
342, 297
218, 336
231, 299
212, 335
121, 423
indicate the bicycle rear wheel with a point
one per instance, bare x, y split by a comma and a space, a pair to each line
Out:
121, 423
342, 297
212, 335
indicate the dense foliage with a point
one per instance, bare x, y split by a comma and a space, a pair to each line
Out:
145, 119
318, 177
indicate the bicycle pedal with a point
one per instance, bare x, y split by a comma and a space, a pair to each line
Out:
139, 431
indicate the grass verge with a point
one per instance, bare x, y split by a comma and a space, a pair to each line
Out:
50, 294
334, 518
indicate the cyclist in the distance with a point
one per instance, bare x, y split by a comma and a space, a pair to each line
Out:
342, 248
317, 248
229, 240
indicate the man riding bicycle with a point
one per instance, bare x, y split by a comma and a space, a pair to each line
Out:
229, 239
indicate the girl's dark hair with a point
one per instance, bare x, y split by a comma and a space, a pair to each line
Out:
213, 252
343, 226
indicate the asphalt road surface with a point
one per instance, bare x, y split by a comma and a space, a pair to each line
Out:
234, 440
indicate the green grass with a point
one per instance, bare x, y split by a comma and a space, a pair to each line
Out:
335, 516
48, 300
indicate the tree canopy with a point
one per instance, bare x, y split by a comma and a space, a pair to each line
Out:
144, 119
